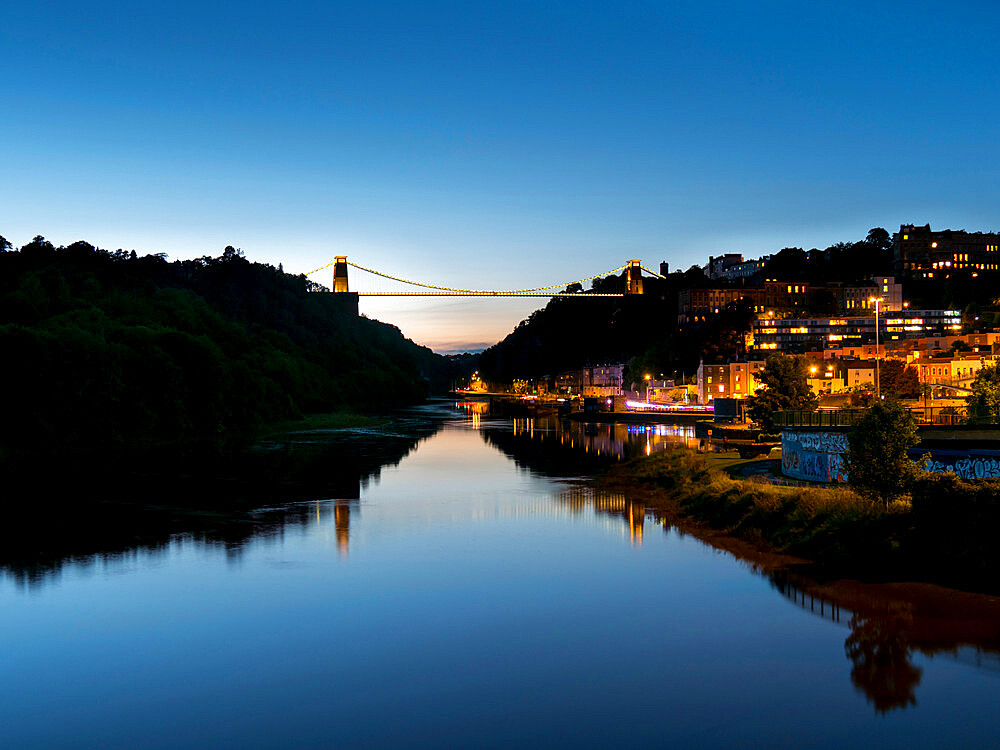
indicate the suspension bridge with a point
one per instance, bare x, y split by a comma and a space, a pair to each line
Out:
395, 286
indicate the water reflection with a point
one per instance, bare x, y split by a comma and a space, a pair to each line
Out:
565, 448
613, 505
617, 441
880, 654
887, 629
254, 496
315, 482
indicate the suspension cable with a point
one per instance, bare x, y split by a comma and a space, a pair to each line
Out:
654, 273
470, 291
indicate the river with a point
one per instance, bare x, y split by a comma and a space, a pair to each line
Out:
449, 580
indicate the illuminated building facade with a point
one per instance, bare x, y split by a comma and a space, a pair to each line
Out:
784, 299
918, 251
698, 305
886, 288
599, 380
730, 380
953, 371
818, 334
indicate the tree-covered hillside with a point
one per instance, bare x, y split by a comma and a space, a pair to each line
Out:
570, 332
104, 349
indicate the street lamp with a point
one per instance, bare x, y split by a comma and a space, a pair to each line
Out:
878, 392
647, 388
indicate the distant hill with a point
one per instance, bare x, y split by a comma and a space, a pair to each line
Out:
109, 349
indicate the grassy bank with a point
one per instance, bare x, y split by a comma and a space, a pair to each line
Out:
942, 533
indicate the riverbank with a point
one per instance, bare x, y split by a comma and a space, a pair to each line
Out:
942, 534
337, 420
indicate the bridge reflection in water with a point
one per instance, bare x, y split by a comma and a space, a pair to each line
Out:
341, 510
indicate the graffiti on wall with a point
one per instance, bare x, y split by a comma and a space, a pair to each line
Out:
968, 467
816, 456
819, 457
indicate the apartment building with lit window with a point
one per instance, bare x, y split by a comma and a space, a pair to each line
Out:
784, 299
818, 334
857, 298
719, 265
698, 305
918, 251
743, 270
959, 370
729, 380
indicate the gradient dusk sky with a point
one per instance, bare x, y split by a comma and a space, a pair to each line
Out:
494, 145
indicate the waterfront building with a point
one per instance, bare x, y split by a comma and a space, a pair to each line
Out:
918, 251
602, 380
729, 380
599, 380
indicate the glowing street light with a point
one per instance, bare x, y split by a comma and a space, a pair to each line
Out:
878, 392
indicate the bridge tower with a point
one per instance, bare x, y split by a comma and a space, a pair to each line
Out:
340, 274
633, 277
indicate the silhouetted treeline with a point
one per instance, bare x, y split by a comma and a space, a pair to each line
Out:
105, 349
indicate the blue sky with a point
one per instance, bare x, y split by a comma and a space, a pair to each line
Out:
493, 144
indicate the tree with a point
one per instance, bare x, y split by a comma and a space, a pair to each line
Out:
984, 403
877, 461
899, 380
880, 239
4, 244
786, 386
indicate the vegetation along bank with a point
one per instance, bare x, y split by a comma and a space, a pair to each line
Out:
942, 531
110, 352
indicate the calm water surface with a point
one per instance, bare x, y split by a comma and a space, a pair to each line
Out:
463, 590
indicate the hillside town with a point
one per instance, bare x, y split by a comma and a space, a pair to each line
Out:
858, 337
